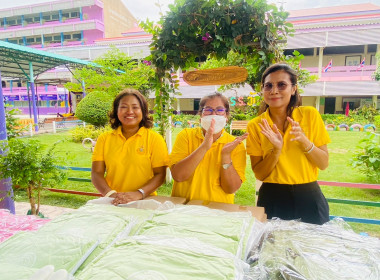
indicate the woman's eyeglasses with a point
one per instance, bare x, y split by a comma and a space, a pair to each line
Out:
218, 111
280, 86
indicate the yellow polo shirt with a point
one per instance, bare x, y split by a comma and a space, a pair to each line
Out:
130, 162
204, 184
293, 167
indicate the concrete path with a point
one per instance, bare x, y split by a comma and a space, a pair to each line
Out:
48, 211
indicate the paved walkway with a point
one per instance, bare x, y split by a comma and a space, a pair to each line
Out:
48, 211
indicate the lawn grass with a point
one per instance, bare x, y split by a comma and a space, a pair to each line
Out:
342, 148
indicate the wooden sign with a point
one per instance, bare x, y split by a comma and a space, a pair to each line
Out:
216, 76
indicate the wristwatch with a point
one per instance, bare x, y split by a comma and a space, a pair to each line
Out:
142, 192
227, 165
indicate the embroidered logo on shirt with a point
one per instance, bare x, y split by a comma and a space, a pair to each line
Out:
141, 150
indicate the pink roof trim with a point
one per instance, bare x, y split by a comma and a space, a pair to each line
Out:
333, 10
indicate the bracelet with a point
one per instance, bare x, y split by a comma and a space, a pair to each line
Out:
111, 192
310, 149
142, 192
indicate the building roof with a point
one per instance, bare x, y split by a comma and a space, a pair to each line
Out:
15, 59
333, 11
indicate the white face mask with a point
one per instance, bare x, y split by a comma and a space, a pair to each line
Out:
220, 122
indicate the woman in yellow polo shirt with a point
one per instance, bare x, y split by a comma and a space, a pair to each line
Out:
208, 163
132, 155
287, 144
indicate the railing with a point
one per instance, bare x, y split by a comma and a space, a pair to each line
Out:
322, 183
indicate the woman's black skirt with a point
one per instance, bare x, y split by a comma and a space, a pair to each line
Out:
299, 201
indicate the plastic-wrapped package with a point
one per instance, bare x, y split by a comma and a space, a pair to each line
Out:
215, 227
295, 250
11, 224
36, 250
141, 257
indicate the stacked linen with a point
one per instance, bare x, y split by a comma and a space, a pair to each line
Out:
296, 250
226, 230
164, 258
33, 250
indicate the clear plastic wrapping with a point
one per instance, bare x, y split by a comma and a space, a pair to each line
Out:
296, 250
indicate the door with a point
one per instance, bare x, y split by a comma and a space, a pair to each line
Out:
330, 105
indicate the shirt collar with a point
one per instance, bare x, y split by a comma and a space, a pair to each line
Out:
140, 132
295, 115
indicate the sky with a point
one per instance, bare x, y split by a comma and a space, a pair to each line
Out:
143, 9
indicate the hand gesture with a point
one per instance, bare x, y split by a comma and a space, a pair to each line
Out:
125, 197
272, 134
229, 147
297, 132
209, 135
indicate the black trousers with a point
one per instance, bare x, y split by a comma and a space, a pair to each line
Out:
289, 202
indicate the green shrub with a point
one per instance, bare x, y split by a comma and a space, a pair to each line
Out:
368, 159
94, 108
366, 112
30, 167
377, 121
13, 127
89, 131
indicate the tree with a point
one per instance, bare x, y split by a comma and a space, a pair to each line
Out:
94, 108
117, 71
29, 167
196, 29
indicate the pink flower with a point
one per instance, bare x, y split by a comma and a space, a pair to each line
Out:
146, 62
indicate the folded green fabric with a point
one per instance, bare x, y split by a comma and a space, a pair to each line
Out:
159, 258
35, 250
11, 271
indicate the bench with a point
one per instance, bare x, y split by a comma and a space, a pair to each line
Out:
239, 125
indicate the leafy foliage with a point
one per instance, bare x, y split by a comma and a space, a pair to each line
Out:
13, 127
94, 108
117, 71
195, 29
368, 159
377, 121
89, 131
376, 74
29, 167
368, 112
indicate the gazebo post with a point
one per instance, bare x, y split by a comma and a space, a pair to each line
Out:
34, 98
6, 191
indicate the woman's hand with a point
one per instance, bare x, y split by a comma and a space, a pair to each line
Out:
209, 136
272, 134
299, 135
125, 197
229, 147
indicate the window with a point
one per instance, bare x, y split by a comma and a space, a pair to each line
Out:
21, 41
55, 17
19, 21
3, 84
11, 22
57, 38
29, 20
38, 39
47, 39
66, 15
19, 84
30, 40
36, 19
77, 36
46, 18
353, 60
67, 37
12, 41
74, 14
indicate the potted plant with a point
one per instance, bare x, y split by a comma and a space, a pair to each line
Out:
30, 167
